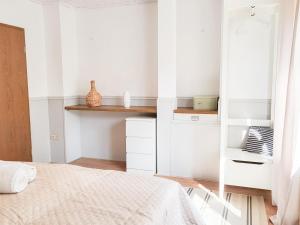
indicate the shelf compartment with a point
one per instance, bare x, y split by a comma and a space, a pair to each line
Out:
249, 122
114, 108
240, 155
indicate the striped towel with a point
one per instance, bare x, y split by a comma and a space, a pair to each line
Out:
260, 140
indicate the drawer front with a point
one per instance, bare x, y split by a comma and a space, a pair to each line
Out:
248, 175
140, 161
201, 118
140, 172
140, 145
140, 129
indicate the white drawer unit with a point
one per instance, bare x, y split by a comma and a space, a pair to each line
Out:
248, 174
141, 145
140, 161
141, 127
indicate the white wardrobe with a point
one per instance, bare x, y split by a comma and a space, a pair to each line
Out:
248, 73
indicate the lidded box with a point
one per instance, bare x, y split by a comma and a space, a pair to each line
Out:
205, 102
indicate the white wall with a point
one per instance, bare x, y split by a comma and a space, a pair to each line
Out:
118, 48
132, 59
107, 138
29, 16
69, 48
167, 48
251, 44
39, 121
53, 49
198, 47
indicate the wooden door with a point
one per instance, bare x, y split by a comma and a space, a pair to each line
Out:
15, 137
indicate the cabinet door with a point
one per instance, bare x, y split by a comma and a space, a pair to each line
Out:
195, 150
15, 138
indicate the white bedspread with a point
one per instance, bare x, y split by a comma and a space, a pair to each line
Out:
72, 195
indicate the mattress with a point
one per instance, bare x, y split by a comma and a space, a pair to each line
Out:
73, 195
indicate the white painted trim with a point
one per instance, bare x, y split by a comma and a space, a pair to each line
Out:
254, 101
223, 101
82, 96
38, 99
181, 101
63, 97
96, 4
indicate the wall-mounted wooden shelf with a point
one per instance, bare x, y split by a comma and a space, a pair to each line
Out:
114, 108
190, 110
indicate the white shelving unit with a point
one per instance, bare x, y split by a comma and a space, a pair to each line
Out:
249, 40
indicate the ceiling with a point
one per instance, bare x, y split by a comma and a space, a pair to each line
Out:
95, 3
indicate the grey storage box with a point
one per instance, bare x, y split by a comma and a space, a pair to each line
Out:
203, 102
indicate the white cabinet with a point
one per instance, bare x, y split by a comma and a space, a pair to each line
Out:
141, 145
195, 147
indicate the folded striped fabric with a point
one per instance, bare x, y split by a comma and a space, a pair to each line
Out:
260, 140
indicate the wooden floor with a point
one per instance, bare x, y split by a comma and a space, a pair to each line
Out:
121, 166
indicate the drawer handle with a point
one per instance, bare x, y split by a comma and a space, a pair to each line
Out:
247, 162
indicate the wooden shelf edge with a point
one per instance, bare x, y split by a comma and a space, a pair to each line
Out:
113, 108
190, 110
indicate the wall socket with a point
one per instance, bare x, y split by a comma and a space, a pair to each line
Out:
54, 137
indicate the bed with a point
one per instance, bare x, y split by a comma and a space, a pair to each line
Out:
73, 195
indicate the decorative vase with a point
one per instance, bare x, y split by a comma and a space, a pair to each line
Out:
126, 99
93, 99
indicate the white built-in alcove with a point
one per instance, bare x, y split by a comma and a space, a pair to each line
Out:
114, 44
118, 46
167, 49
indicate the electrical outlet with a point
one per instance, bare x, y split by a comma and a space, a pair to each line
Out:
54, 137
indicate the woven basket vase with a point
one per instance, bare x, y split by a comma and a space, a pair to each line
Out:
93, 99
